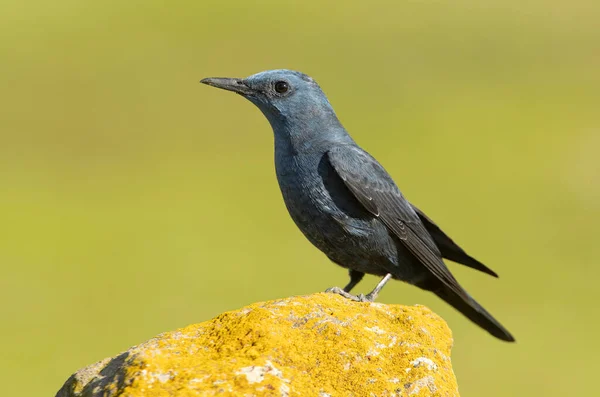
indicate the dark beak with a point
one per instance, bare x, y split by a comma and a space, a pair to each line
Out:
229, 84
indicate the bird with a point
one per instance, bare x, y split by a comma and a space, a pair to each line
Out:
344, 201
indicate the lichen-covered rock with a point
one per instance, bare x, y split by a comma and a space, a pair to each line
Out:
318, 345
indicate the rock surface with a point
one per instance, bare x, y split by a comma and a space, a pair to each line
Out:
318, 345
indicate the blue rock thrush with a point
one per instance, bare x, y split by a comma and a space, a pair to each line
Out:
345, 202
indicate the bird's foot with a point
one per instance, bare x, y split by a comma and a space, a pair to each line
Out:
356, 298
339, 291
367, 298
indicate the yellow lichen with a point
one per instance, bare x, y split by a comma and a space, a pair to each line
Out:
317, 345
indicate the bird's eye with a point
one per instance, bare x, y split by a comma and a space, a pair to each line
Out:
282, 87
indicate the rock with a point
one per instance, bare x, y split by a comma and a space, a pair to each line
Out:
318, 345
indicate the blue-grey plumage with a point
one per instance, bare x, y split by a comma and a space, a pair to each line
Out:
345, 202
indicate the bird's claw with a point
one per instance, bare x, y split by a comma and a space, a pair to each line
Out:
356, 298
339, 291
366, 298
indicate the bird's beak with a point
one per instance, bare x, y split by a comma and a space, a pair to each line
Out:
229, 84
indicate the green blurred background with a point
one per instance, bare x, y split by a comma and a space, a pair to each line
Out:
134, 200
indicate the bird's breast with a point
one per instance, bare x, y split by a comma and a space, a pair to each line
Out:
301, 185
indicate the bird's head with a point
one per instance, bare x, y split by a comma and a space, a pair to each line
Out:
286, 97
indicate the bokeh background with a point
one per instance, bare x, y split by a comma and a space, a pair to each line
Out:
134, 200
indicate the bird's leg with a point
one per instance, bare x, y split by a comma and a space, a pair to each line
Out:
371, 296
355, 277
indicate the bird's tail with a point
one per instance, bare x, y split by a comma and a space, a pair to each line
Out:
474, 312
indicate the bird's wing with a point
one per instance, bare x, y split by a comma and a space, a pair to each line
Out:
448, 248
373, 187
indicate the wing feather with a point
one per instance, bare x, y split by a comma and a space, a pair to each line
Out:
449, 249
373, 187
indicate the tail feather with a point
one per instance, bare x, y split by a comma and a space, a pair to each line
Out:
474, 312
448, 248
